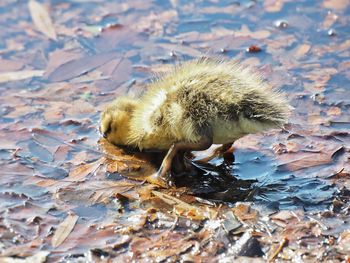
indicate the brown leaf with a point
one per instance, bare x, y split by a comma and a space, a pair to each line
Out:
21, 110
78, 67
344, 242
79, 158
61, 153
336, 4
181, 208
116, 35
80, 172
330, 19
39, 257
135, 165
106, 190
186, 50
273, 5
334, 111
302, 160
245, 212
283, 217
253, 49
89, 77
245, 32
19, 75
59, 57
10, 65
92, 191
41, 19
301, 50
63, 230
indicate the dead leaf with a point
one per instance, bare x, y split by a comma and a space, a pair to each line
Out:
334, 111
61, 153
228, 9
79, 158
301, 50
89, 77
344, 242
230, 222
103, 191
245, 31
39, 257
10, 65
116, 35
301, 160
185, 50
135, 165
273, 5
78, 67
21, 110
93, 191
80, 172
20, 75
181, 208
283, 217
336, 4
63, 230
244, 212
42, 19
330, 19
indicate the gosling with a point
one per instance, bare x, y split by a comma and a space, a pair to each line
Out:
199, 103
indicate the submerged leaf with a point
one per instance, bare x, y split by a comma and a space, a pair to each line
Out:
294, 161
134, 165
39, 257
19, 75
42, 19
63, 230
181, 208
80, 172
78, 67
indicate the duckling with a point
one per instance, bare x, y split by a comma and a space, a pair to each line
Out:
199, 103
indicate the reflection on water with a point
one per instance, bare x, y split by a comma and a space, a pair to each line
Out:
255, 177
144, 37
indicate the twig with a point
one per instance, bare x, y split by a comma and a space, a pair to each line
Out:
174, 223
217, 212
336, 174
323, 226
279, 249
296, 216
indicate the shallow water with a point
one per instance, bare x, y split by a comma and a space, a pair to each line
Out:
111, 48
255, 177
206, 17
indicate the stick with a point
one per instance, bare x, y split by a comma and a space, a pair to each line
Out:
279, 249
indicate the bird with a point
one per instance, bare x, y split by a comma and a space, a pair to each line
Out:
198, 103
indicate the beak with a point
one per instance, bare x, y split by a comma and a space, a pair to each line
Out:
104, 135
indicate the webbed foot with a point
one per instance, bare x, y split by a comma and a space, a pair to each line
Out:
161, 178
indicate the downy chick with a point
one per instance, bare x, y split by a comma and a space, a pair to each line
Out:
199, 103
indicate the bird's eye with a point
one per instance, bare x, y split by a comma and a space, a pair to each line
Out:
109, 129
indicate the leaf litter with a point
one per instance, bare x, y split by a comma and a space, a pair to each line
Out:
67, 195
42, 19
63, 230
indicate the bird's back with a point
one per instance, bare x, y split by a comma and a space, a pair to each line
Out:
209, 92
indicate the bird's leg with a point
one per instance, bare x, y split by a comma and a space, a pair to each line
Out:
227, 152
224, 150
179, 164
204, 143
